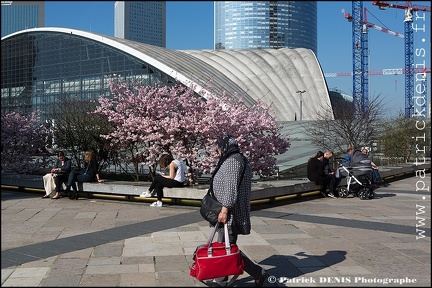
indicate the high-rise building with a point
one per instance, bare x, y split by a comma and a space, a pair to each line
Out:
265, 24
21, 15
141, 21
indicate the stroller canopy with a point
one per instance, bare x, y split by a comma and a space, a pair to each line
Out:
360, 162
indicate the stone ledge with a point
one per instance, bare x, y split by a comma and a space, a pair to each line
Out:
197, 192
260, 190
128, 189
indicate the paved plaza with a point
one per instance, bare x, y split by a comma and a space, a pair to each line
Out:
307, 242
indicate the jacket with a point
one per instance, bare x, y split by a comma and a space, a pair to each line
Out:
315, 171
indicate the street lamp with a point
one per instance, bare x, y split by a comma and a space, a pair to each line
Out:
301, 104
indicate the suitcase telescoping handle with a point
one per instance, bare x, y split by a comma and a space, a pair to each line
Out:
227, 243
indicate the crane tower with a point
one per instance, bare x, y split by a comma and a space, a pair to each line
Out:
409, 52
360, 47
360, 54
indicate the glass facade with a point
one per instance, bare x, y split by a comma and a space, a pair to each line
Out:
341, 104
20, 15
39, 69
141, 21
265, 24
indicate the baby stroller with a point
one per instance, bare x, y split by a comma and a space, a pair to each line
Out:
359, 175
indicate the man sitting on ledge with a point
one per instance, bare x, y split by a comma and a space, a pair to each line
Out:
316, 174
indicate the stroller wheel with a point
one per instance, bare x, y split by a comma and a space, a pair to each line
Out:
364, 194
343, 192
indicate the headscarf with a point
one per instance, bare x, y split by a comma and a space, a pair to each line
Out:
228, 146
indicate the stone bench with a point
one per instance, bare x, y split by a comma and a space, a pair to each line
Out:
132, 189
261, 190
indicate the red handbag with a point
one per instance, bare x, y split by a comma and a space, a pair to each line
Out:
214, 260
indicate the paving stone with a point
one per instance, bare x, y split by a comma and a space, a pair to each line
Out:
109, 250
61, 281
5, 273
68, 266
98, 261
100, 280
137, 280
171, 263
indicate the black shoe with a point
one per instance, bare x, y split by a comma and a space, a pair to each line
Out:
324, 194
260, 281
73, 195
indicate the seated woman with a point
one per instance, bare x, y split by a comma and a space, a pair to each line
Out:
376, 176
176, 178
91, 174
57, 176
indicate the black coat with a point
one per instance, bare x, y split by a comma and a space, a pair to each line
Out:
315, 171
67, 167
91, 168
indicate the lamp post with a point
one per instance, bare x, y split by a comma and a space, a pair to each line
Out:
301, 104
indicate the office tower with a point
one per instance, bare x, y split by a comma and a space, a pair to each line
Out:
20, 15
265, 24
141, 21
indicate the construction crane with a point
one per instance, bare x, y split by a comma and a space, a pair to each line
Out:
360, 48
360, 51
409, 54
371, 25
391, 71
388, 71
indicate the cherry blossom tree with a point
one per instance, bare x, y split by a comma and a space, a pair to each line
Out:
255, 129
149, 121
22, 136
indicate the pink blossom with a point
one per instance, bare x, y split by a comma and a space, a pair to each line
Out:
149, 121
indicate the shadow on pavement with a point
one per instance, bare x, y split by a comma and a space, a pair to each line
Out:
285, 267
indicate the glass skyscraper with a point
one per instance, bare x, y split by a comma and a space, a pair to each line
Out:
141, 21
20, 15
265, 24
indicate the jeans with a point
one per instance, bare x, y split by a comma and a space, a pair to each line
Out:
328, 180
336, 185
376, 176
77, 177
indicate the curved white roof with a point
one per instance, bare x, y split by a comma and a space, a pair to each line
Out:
274, 76
271, 75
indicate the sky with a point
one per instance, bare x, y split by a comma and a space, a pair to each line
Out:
190, 27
